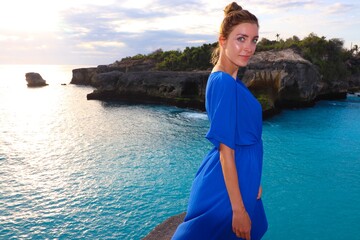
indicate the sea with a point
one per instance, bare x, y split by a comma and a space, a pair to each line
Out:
77, 169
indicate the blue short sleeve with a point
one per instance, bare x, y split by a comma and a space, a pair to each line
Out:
221, 109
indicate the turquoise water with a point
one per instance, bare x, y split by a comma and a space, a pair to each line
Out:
312, 172
77, 169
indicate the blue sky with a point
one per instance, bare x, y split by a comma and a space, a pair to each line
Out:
93, 32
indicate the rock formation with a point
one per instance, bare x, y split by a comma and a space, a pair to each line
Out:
35, 80
354, 83
183, 89
165, 230
84, 76
284, 78
277, 78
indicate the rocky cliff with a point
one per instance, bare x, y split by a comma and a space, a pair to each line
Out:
283, 78
354, 83
277, 78
183, 89
84, 76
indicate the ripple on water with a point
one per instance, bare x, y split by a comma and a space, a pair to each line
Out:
92, 170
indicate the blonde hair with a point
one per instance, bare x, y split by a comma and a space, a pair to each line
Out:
234, 15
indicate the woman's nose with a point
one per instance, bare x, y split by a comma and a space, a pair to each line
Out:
248, 47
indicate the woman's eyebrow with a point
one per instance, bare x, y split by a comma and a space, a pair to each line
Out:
242, 34
245, 35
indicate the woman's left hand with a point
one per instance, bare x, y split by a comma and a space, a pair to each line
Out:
259, 193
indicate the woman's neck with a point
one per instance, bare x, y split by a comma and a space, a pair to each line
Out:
224, 65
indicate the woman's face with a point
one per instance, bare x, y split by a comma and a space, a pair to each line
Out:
241, 43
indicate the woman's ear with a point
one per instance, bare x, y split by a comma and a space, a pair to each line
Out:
222, 41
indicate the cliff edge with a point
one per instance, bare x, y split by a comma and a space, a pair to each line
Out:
279, 79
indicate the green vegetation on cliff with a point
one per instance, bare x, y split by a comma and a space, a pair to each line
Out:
332, 59
192, 58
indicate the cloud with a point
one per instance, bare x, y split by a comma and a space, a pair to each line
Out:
122, 31
36, 47
102, 31
105, 44
8, 38
340, 8
260, 6
167, 40
292, 4
176, 24
176, 6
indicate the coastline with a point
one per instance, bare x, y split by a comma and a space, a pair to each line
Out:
278, 79
300, 160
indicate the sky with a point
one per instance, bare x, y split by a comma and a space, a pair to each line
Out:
94, 32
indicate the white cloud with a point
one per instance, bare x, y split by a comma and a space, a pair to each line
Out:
101, 44
7, 38
102, 31
339, 8
28, 16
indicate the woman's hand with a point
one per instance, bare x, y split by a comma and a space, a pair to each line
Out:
241, 224
259, 193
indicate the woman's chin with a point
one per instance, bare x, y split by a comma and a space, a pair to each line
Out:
242, 63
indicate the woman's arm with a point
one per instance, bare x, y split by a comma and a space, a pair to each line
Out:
241, 222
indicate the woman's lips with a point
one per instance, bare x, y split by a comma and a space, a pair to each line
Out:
245, 57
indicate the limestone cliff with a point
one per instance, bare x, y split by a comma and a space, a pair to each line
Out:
354, 83
84, 76
277, 78
283, 78
183, 89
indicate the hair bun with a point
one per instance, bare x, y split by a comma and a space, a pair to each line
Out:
232, 7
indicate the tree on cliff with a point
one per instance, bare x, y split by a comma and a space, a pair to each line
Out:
192, 58
277, 36
328, 55
356, 49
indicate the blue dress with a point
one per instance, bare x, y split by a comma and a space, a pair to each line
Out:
235, 120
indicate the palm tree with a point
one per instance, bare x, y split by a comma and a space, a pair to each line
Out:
356, 48
277, 37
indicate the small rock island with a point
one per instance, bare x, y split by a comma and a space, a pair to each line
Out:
35, 80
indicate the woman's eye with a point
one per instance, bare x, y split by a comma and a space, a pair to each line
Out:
255, 40
241, 39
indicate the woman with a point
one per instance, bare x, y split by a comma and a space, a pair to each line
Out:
225, 198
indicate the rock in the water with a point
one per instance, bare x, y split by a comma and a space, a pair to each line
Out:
165, 230
35, 80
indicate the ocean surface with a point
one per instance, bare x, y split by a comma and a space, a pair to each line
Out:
77, 169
